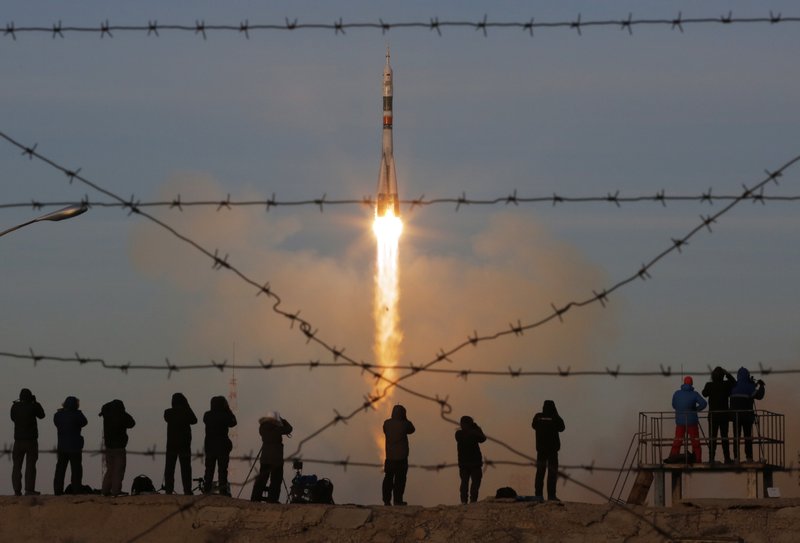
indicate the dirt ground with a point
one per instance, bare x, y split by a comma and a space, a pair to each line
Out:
216, 519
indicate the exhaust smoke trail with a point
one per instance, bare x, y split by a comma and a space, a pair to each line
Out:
387, 229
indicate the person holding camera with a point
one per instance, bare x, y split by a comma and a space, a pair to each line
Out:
116, 423
470, 461
718, 392
24, 413
743, 396
69, 420
180, 419
395, 468
272, 428
218, 445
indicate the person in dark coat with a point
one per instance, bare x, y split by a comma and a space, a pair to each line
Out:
743, 396
272, 429
547, 424
69, 420
116, 422
718, 390
180, 418
395, 468
470, 461
24, 413
218, 445
686, 402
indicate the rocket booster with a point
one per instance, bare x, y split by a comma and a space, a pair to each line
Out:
388, 201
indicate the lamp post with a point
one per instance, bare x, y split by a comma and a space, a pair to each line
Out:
66, 213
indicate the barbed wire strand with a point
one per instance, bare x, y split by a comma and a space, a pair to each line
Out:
460, 201
434, 24
311, 365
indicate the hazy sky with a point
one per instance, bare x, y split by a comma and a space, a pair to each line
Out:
298, 114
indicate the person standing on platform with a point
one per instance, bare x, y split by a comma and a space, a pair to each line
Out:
686, 402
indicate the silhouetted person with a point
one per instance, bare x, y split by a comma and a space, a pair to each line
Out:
69, 420
218, 445
395, 468
686, 402
470, 461
743, 396
272, 429
116, 422
547, 424
24, 413
180, 418
718, 390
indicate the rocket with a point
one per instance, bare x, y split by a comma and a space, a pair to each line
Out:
388, 201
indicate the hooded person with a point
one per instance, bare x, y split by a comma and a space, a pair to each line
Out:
218, 419
547, 425
116, 422
272, 428
69, 420
718, 390
24, 413
743, 396
470, 461
180, 419
395, 468
686, 402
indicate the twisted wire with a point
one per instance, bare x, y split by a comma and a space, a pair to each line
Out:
513, 198
434, 24
168, 366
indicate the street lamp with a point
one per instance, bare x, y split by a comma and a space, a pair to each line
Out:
66, 213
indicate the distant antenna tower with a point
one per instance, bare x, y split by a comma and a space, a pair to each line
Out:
233, 402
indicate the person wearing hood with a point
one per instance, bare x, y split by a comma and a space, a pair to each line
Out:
470, 461
718, 390
24, 413
547, 425
686, 402
218, 445
180, 418
116, 422
69, 420
743, 396
395, 468
272, 428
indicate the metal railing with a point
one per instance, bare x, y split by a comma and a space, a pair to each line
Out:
767, 437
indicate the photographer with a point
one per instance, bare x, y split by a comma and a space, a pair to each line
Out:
743, 396
470, 460
218, 445
272, 429
24, 413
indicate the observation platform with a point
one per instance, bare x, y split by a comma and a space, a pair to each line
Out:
650, 447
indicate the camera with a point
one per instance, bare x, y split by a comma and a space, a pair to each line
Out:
297, 464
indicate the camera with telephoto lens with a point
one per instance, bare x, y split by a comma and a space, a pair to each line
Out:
297, 464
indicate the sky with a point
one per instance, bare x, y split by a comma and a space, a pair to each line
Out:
298, 115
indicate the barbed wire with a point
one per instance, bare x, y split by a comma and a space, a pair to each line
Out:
433, 24
489, 463
473, 340
170, 367
513, 198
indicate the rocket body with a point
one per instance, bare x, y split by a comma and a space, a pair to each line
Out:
388, 201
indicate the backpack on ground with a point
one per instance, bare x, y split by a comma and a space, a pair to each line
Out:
310, 489
142, 484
